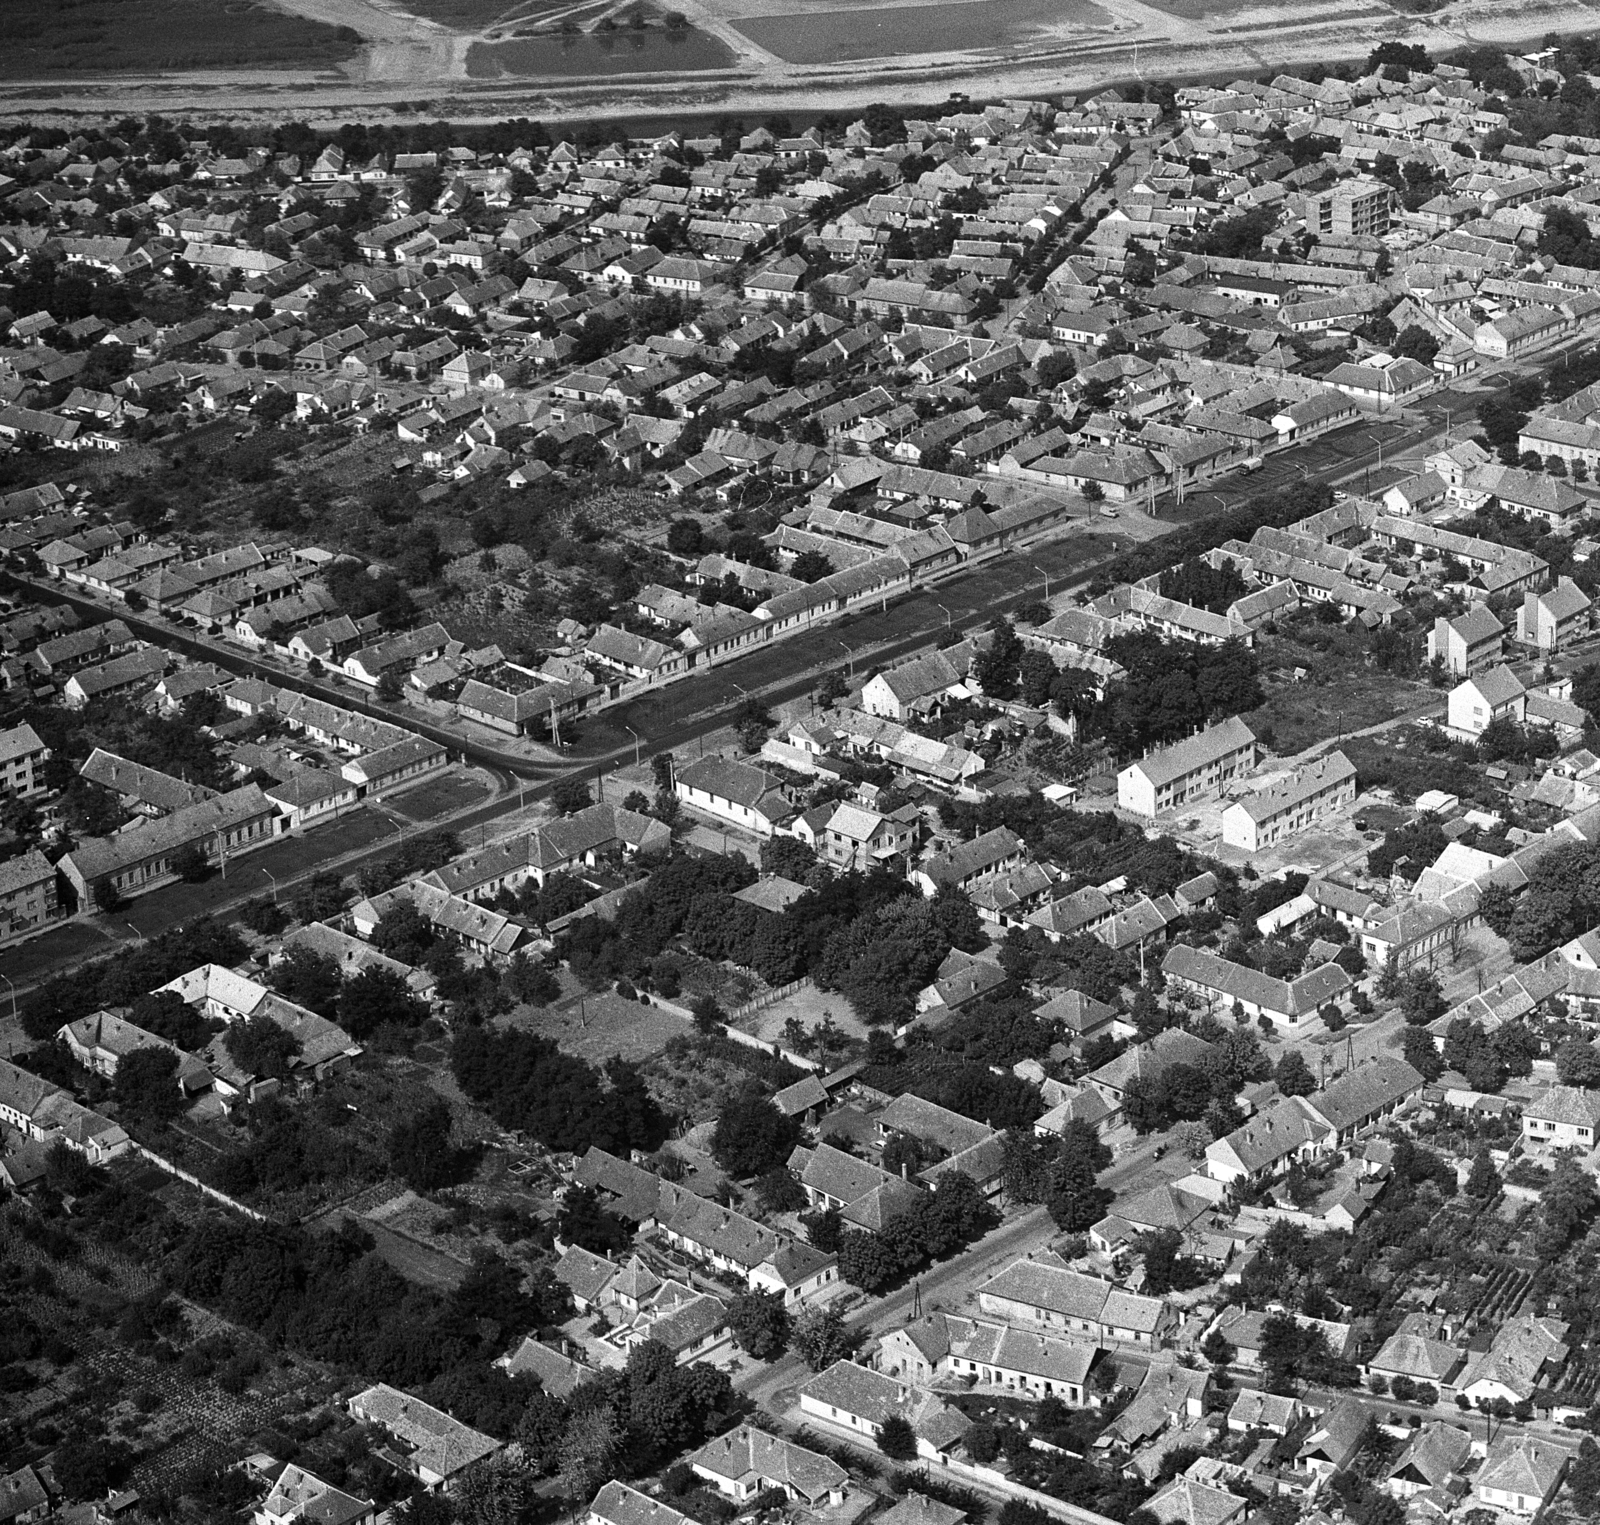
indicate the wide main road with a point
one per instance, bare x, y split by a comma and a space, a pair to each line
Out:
676, 717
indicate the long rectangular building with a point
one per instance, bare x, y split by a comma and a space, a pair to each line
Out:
1194, 769
1260, 820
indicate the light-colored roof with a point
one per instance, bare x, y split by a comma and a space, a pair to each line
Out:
1184, 758
442, 1445
747, 1452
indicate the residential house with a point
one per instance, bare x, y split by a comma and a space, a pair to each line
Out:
1551, 621
1495, 694
29, 900
1467, 643
1198, 768
1239, 988
22, 759
735, 792
1521, 1473
428, 1444
1261, 820
859, 1400
1044, 1292
746, 1463
1562, 1117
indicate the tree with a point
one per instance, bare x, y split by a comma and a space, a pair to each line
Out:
1419, 1050
1483, 1181
982, 1444
585, 1223
190, 863
147, 1086
501, 1490
588, 1451
1583, 1479
1074, 1198
533, 981
824, 1229
378, 997
1421, 998
820, 1337
570, 794
760, 1324
1569, 1202
896, 1439
260, 1047
166, 1014
811, 566
752, 1136
420, 1152
1218, 1349
309, 979
388, 687
1578, 1064
1293, 1075
88, 1468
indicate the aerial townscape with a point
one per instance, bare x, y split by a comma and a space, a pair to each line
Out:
879, 816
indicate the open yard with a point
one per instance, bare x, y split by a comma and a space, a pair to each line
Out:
810, 1007
439, 796
823, 37
103, 36
654, 51
1335, 697
596, 1027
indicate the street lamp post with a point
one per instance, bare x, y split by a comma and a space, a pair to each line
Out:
268, 872
13, 988
1044, 574
636, 743
849, 657
136, 932
949, 624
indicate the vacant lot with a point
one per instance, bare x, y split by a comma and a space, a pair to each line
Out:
594, 1027
825, 37
590, 53
1301, 714
101, 36
439, 796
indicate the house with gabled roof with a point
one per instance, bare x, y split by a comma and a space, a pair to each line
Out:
424, 1442
1521, 1473
736, 792
1433, 1456
1043, 1292
1525, 1354
747, 1462
1189, 1501
859, 1400
1195, 769
1563, 1117
1333, 1442
618, 1504
900, 691
1146, 1061
966, 863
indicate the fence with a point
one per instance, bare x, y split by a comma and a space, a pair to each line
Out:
776, 1049
193, 1180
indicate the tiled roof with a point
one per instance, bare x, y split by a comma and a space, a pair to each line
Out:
747, 1452
441, 1444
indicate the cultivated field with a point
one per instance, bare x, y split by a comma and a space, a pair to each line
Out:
67, 37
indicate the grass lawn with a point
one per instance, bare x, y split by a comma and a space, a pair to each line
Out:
596, 1027
1300, 714
64, 37
439, 796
